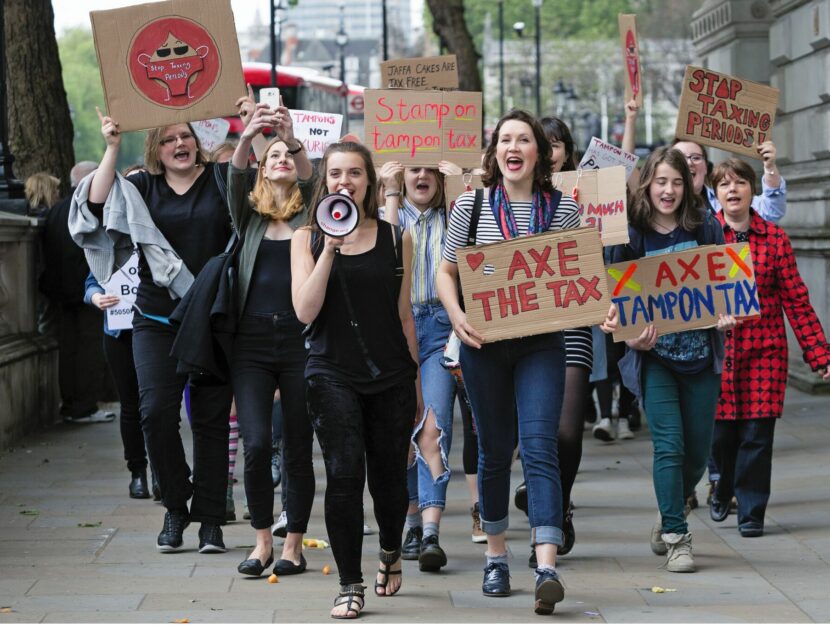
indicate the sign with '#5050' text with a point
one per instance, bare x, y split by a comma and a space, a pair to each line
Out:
123, 284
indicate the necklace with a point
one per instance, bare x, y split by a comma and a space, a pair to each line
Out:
660, 228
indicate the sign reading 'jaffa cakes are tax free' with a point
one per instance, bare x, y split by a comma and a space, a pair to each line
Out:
430, 72
725, 112
683, 290
422, 128
533, 285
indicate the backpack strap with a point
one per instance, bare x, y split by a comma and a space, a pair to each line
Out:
475, 215
397, 241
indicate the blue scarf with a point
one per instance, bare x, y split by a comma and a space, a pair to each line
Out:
541, 213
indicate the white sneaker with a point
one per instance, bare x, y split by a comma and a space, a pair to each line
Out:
99, 416
367, 530
604, 430
680, 558
624, 432
279, 527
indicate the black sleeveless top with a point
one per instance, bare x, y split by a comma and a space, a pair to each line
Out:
373, 290
270, 288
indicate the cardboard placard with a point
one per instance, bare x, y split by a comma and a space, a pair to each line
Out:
684, 290
169, 62
631, 57
317, 131
421, 128
428, 72
725, 112
601, 154
211, 132
457, 184
533, 285
602, 200
124, 284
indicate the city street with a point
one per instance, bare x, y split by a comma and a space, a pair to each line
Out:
75, 548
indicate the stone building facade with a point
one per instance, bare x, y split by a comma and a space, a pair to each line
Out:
786, 43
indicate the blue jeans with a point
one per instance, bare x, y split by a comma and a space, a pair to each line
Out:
523, 377
680, 410
433, 327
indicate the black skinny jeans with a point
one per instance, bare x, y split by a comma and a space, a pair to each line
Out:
160, 396
119, 354
80, 359
269, 351
360, 433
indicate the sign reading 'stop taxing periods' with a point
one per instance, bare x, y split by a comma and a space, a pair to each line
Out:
683, 290
725, 112
535, 284
421, 128
429, 72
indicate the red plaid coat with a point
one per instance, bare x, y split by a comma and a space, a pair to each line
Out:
755, 365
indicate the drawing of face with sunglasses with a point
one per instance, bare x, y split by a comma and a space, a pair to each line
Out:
174, 64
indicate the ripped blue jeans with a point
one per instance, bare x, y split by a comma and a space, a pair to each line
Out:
432, 327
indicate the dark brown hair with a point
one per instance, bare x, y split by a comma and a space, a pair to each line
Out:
557, 130
641, 211
739, 169
370, 202
438, 200
152, 142
542, 173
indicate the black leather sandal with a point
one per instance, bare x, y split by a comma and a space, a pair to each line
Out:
387, 559
351, 595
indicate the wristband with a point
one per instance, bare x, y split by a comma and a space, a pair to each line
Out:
393, 194
769, 172
296, 150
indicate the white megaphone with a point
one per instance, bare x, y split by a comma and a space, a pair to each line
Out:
337, 214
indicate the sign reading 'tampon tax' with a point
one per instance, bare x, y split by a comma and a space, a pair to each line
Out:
533, 285
684, 290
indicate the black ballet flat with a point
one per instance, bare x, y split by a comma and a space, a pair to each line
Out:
287, 567
254, 567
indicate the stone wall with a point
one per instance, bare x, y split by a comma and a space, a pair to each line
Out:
29, 397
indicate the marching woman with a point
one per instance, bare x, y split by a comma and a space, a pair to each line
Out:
678, 374
269, 349
524, 376
755, 372
181, 224
361, 373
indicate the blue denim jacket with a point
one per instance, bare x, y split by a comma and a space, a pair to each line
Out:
91, 287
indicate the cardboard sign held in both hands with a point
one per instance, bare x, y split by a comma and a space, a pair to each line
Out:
631, 57
533, 285
600, 194
168, 62
725, 112
317, 131
455, 185
601, 154
421, 128
429, 72
683, 290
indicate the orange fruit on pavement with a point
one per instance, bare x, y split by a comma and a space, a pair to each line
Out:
273, 579
326, 570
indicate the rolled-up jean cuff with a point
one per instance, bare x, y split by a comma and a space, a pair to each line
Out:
545, 535
493, 528
434, 503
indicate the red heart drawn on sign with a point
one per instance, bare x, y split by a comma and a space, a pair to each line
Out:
474, 260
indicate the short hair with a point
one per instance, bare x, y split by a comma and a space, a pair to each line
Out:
41, 189
557, 130
641, 211
439, 199
370, 203
542, 173
80, 171
738, 168
152, 142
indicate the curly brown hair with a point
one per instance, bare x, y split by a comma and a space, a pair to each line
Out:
542, 173
641, 211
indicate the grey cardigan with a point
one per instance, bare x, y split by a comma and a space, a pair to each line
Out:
251, 226
125, 222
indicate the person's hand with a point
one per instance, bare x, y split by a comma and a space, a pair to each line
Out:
102, 301
333, 244
465, 331
767, 151
109, 128
449, 169
388, 175
262, 118
726, 322
645, 341
246, 105
824, 373
611, 322
632, 109
285, 125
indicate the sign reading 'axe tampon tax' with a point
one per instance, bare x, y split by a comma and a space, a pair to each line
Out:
683, 290
421, 128
533, 285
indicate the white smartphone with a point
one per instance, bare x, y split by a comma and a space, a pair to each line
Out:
270, 96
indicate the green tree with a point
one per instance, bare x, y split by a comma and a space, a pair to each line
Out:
84, 92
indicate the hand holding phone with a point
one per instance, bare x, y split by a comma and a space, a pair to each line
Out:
270, 96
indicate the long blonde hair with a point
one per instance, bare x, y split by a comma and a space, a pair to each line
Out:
41, 189
265, 200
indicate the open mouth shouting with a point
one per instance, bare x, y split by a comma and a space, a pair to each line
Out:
181, 155
668, 202
514, 163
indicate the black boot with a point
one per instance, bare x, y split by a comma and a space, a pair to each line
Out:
138, 485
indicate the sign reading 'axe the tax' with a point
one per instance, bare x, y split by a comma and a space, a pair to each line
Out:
421, 128
683, 290
533, 285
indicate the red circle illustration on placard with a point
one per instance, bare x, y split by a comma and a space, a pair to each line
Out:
174, 62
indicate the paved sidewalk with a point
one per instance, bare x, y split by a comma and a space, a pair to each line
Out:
74, 548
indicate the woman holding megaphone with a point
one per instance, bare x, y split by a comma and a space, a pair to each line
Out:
269, 350
354, 291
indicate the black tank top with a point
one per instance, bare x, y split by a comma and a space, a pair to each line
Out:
373, 290
270, 289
